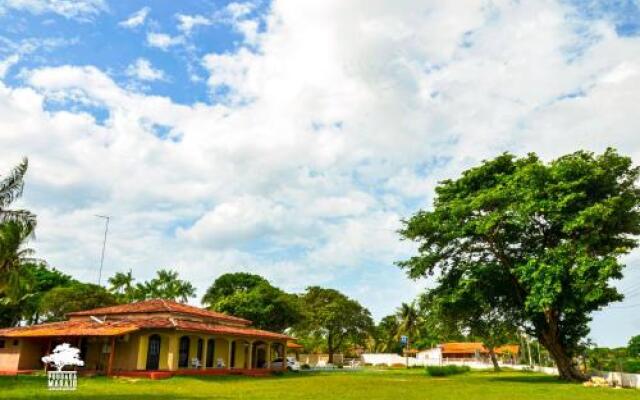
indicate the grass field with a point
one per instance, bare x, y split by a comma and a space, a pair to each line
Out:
368, 385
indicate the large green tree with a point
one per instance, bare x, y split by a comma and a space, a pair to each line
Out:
57, 302
545, 238
27, 290
333, 318
253, 297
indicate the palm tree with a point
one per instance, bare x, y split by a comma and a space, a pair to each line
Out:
13, 253
166, 285
122, 286
10, 190
409, 319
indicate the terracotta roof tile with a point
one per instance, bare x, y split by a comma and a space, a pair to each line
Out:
160, 306
473, 347
71, 328
114, 328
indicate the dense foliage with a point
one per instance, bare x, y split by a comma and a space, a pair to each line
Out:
332, 319
59, 301
254, 298
539, 242
446, 370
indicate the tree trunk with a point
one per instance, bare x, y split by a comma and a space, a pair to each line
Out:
566, 366
330, 348
494, 359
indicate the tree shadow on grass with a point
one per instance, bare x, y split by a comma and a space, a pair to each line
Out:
533, 379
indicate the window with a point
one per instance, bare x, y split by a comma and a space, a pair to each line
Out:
1, 344
16, 342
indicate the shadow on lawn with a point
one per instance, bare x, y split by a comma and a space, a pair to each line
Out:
289, 375
532, 379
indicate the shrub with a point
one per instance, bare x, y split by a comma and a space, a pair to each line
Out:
305, 366
631, 366
447, 370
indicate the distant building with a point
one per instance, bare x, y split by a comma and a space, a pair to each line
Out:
468, 351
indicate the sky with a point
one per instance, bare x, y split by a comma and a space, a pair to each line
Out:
290, 138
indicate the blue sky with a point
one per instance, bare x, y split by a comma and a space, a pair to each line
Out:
289, 138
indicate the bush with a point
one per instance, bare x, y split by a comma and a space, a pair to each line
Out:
447, 370
305, 366
631, 366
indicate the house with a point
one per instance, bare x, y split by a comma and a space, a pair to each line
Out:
152, 338
467, 351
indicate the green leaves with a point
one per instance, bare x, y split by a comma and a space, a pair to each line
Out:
252, 297
544, 239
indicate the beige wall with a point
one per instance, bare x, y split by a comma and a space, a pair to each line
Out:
31, 353
9, 356
130, 353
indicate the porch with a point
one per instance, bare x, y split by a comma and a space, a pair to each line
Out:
156, 354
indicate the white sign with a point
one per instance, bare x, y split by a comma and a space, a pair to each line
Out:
63, 355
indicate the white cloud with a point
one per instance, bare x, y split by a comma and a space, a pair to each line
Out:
186, 23
82, 10
339, 119
163, 41
143, 70
8, 63
136, 19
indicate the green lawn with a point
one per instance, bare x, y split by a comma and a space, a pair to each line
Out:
368, 385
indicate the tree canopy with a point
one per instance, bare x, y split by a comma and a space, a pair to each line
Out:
333, 318
253, 297
59, 301
540, 241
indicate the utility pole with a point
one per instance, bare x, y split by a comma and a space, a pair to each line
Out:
104, 244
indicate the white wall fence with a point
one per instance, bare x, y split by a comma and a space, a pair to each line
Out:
389, 359
622, 379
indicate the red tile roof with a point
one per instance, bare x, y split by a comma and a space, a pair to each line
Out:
71, 328
160, 306
473, 347
115, 328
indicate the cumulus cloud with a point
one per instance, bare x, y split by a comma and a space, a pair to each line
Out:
186, 23
162, 40
143, 70
333, 125
82, 10
136, 19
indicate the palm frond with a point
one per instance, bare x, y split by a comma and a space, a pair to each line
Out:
11, 186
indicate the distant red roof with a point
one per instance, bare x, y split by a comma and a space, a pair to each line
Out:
121, 327
159, 306
473, 347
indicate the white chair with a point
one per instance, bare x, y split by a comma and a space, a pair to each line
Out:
195, 362
220, 363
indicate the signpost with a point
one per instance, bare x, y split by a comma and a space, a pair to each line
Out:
404, 340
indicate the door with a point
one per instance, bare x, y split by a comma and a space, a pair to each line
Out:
183, 358
211, 348
153, 353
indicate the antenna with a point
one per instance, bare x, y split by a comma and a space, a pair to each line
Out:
104, 243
